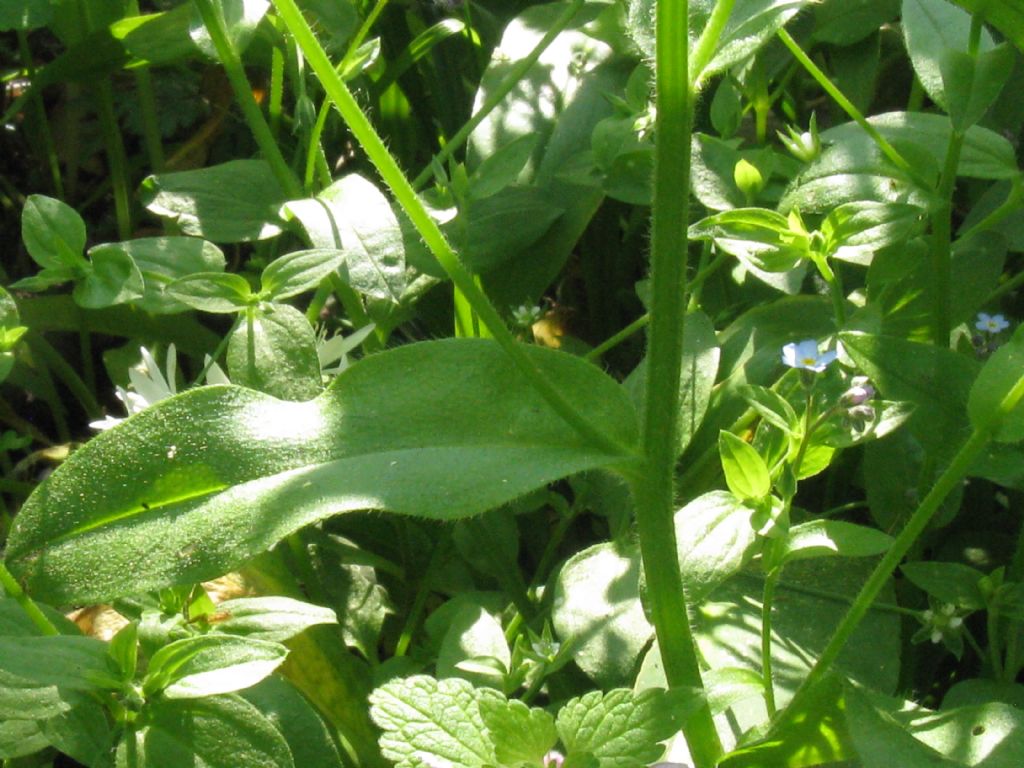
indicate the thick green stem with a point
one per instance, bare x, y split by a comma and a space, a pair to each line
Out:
855, 114
429, 230
13, 589
214, 23
954, 475
512, 79
654, 489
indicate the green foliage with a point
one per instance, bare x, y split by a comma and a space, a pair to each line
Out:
770, 461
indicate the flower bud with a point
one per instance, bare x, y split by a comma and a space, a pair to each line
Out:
803, 145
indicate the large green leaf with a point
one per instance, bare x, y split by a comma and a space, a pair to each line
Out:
933, 28
232, 202
197, 484
213, 732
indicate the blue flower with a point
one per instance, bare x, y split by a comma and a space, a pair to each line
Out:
991, 323
805, 355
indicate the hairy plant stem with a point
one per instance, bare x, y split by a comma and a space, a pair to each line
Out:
229, 59
847, 106
429, 230
944, 485
654, 488
13, 589
512, 79
767, 601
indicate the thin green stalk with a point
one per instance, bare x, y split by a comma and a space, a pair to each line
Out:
512, 79
221, 346
116, 158
654, 489
610, 343
67, 374
419, 602
13, 589
855, 114
706, 45
953, 476
147, 103
52, 161
214, 23
942, 235
767, 601
995, 652
276, 90
429, 230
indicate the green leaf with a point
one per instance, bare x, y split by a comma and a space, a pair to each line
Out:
156, 39
208, 665
772, 407
241, 17
161, 260
308, 738
824, 538
973, 83
269, 618
881, 742
620, 728
713, 533
1007, 16
560, 100
84, 733
854, 231
933, 29
298, 272
247, 470
112, 279
935, 380
990, 734
73, 663
751, 24
24, 14
844, 22
496, 229
223, 292
746, 474
597, 609
474, 635
424, 718
19, 738
354, 216
503, 167
214, 731
997, 378
274, 351
758, 237
520, 734
985, 154
53, 232
953, 583
697, 378
232, 202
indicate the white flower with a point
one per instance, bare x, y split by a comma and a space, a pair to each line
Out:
991, 323
338, 347
805, 355
148, 385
